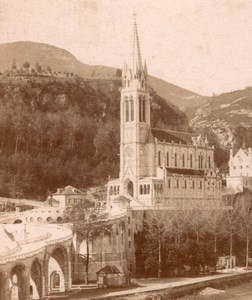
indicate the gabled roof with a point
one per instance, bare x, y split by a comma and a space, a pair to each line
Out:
211, 173
242, 152
69, 190
109, 270
173, 136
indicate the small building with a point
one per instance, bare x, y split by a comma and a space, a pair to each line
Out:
112, 276
240, 170
70, 196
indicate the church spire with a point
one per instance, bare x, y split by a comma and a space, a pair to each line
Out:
135, 72
136, 66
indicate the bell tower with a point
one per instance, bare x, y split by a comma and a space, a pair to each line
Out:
135, 119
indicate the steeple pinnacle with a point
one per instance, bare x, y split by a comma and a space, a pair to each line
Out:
136, 53
135, 72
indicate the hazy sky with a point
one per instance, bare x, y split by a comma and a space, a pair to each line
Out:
201, 45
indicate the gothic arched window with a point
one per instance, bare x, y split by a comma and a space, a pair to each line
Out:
191, 161
141, 189
140, 109
144, 112
209, 162
126, 110
145, 190
175, 159
130, 188
167, 159
148, 189
131, 109
183, 160
159, 158
200, 161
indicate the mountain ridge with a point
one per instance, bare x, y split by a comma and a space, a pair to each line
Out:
61, 61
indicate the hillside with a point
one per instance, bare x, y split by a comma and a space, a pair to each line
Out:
229, 116
42, 58
56, 131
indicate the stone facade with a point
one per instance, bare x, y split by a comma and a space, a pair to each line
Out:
29, 256
157, 167
69, 196
240, 169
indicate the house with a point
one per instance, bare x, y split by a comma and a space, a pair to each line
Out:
70, 196
240, 169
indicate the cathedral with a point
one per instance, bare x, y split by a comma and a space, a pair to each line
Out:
157, 167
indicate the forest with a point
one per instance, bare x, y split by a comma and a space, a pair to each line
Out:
60, 131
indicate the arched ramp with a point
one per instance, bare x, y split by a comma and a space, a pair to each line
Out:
4, 287
58, 263
20, 283
36, 280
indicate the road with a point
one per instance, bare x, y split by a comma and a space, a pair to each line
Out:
241, 292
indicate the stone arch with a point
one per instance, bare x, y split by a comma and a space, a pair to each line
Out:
191, 161
159, 158
122, 232
131, 109
17, 221
141, 189
59, 219
36, 280
209, 162
175, 159
127, 113
49, 220
55, 281
145, 189
167, 158
200, 160
129, 187
4, 287
39, 219
59, 261
183, 160
20, 283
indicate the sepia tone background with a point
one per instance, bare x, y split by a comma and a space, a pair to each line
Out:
193, 44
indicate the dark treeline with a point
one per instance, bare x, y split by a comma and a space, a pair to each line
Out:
59, 132
185, 241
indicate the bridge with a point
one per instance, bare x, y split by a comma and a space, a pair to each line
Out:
45, 214
35, 260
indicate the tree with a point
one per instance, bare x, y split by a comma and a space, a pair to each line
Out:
38, 68
244, 213
49, 69
214, 221
158, 228
14, 65
87, 224
231, 221
26, 65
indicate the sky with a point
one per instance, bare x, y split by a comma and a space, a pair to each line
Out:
201, 45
